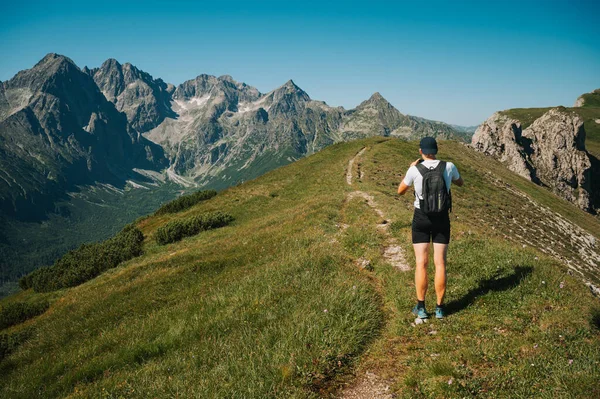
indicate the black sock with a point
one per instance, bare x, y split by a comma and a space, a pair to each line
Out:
440, 306
420, 304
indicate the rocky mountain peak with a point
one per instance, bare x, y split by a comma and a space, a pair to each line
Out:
54, 60
376, 97
110, 63
109, 78
45, 73
227, 78
376, 101
291, 85
224, 92
290, 92
145, 100
197, 87
54, 75
112, 77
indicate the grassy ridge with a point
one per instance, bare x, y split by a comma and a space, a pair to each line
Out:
513, 330
591, 99
263, 307
273, 306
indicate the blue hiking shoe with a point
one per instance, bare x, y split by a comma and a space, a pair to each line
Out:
439, 312
421, 313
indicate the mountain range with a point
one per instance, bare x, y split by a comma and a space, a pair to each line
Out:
114, 137
62, 126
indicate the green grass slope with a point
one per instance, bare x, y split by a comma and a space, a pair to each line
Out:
273, 304
591, 99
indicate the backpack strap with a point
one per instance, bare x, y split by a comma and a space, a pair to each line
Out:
422, 169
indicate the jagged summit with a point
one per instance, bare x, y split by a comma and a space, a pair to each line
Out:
377, 100
290, 90
111, 62
376, 97
227, 78
41, 75
290, 84
59, 78
53, 58
145, 100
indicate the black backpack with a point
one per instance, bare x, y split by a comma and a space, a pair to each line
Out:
436, 196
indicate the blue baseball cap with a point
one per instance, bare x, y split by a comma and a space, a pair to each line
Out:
428, 145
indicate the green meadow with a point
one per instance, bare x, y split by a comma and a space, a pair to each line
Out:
273, 304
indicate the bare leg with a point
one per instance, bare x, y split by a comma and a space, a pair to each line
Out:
422, 258
439, 258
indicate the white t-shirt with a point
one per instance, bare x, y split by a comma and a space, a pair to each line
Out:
414, 176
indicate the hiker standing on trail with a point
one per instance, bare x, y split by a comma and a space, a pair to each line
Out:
431, 221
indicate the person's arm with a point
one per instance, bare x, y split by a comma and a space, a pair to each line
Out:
459, 182
408, 179
403, 188
456, 179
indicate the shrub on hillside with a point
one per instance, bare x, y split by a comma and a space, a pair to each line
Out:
86, 262
185, 202
178, 229
9, 342
18, 312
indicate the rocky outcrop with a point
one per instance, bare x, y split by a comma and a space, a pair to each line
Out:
500, 137
550, 152
555, 144
146, 101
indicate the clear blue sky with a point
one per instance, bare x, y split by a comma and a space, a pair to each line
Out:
452, 61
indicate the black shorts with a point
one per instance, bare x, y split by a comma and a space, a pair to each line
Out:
427, 228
